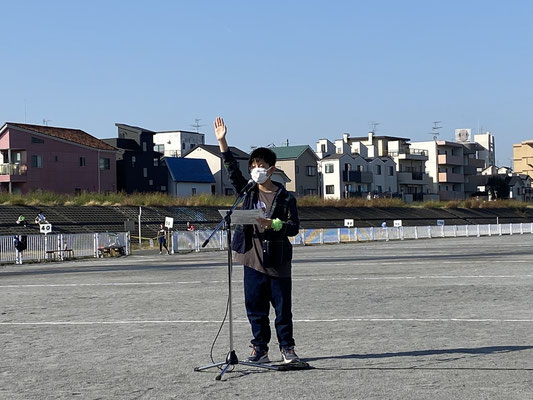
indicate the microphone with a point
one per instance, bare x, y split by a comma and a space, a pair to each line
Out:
249, 186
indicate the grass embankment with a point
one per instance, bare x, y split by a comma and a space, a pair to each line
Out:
162, 199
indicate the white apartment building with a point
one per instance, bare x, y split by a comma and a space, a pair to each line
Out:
342, 174
445, 167
408, 178
384, 175
488, 153
177, 143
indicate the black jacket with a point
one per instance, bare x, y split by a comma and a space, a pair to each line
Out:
276, 246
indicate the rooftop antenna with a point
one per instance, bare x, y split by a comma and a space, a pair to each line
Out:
197, 124
435, 130
373, 126
46, 121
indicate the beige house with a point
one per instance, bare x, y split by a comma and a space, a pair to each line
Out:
300, 165
523, 158
211, 153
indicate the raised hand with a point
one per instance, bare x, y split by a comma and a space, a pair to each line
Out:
220, 129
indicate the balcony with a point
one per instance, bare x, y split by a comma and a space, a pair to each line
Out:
476, 162
357, 176
410, 154
445, 159
13, 170
412, 178
446, 177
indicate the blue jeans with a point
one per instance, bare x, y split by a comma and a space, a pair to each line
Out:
259, 291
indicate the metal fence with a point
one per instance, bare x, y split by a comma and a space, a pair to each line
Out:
192, 241
58, 247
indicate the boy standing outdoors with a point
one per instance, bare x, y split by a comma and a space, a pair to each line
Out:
264, 249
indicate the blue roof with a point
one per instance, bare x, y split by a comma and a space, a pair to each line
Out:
189, 170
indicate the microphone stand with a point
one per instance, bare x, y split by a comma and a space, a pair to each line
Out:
231, 358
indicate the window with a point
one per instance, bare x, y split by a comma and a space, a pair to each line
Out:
37, 140
56, 158
213, 189
159, 148
311, 170
156, 162
145, 172
378, 169
133, 160
360, 168
329, 168
183, 146
228, 192
151, 182
391, 171
311, 192
193, 191
379, 189
37, 161
163, 188
144, 146
105, 163
322, 148
330, 189
82, 162
192, 146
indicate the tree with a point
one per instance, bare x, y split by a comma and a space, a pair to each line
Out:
498, 187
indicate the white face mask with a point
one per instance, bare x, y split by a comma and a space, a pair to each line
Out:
259, 175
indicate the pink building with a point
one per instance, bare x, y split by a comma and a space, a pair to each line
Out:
62, 160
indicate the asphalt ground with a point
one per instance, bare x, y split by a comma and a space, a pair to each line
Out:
427, 319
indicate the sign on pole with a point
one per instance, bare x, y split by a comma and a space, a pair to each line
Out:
169, 222
348, 223
440, 222
397, 223
45, 228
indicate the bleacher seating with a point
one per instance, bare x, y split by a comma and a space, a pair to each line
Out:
86, 219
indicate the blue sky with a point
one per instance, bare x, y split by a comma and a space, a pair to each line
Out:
276, 70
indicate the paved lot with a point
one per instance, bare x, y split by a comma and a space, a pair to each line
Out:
439, 319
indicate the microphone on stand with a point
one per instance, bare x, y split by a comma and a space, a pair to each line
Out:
249, 186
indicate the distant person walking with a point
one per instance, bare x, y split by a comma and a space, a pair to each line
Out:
162, 239
190, 227
40, 218
21, 220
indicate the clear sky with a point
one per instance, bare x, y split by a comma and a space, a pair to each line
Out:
275, 70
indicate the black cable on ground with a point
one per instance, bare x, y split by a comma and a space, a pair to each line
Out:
218, 334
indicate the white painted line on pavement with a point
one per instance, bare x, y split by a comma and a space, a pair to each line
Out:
243, 321
378, 278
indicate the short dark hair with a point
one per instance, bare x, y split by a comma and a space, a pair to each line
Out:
264, 154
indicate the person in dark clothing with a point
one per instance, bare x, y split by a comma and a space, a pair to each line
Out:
264, 249
162, 238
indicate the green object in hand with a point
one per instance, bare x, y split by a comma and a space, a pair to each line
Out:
276, 224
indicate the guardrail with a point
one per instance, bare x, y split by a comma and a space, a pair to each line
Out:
192, 241
48, 247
